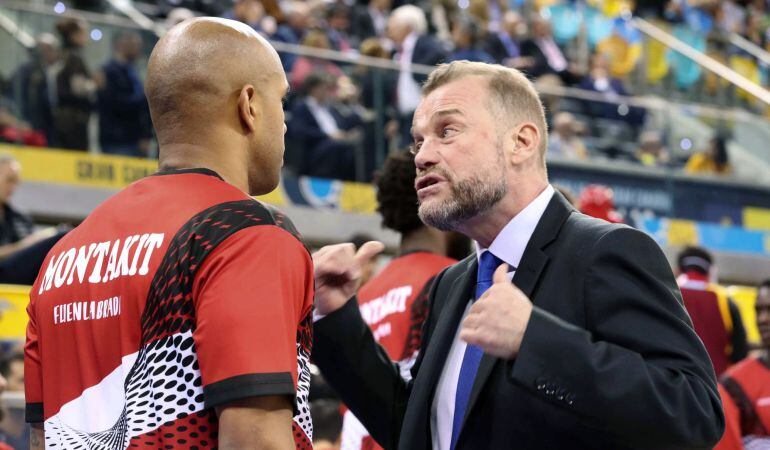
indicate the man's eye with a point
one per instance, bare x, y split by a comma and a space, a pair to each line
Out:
446, 132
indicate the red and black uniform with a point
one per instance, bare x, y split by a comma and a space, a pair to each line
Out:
394, 304
716, 320
176, 295
748, 383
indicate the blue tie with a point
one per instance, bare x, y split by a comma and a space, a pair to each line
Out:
487, 266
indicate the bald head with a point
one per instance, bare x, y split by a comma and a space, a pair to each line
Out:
199, 66
218, 84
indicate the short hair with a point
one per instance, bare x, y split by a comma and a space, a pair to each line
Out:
396, 197
327, 420
5, 363
468, 25
511, 94
695, 258
317, 78
412, 16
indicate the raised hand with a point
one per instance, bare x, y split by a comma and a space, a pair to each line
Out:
496, 322
338, 273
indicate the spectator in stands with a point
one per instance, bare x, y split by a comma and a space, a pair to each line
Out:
564, 141
15, 131
327, 138
177, 16
75, 88
250, 12
12, 369
124, 117
304, 65
748, 382
408, 29
376, 84
598, 201
327, 424
465, 36
3, 413
713, 161
297, 15
370, 19
22, 250
32, 85
503, 45
337, 27
14, 428
547, 57
651, 151
600, 80
715, 316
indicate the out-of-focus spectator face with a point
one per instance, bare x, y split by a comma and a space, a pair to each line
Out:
299, 17
650, 142
79, 37
600, 61
47, 48
372, 47
397, 31
10, 175
130, 46
339, 19
461, 35
564, 124
316, 39
541, 28
15, 376
513, 24
323, 91
763, 315
249, 12
382, 5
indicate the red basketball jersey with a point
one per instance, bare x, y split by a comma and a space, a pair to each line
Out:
176, 295
394, 304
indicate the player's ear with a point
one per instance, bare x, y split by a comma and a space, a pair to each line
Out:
247, 108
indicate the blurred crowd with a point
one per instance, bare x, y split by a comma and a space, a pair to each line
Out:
344, 117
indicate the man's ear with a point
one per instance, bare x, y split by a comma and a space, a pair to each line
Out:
247, 110
526, 141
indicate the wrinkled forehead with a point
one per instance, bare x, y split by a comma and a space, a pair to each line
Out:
467, 96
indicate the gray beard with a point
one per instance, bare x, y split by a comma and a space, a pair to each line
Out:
468, 199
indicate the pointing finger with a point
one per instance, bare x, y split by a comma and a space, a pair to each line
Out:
369, 251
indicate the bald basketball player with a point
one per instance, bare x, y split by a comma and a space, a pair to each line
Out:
177, 315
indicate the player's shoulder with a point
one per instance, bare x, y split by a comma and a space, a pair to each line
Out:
230, 217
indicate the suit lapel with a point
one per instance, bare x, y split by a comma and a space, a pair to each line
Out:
533, 261
447, 323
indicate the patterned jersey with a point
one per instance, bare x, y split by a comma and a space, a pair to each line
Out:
176, 295
394, 304
748, 383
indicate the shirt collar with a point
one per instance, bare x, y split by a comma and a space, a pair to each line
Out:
509, 245
409, 42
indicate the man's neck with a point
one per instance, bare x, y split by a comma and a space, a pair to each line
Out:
193, 156
425, 239
485, 227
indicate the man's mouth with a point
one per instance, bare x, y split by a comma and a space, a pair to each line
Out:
424, 182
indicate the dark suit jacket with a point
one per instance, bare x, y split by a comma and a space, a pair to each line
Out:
428, 51
541, 67
609, 359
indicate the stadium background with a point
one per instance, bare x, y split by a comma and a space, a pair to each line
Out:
684, 72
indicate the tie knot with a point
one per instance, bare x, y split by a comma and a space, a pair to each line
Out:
487, 265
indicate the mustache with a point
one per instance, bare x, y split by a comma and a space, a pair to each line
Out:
435, 170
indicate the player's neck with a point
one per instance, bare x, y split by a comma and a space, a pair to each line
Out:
426, 239
194, 156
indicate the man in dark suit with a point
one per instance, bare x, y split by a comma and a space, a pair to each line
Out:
589, 346
369, 20
546, 58
408, 29
326, 138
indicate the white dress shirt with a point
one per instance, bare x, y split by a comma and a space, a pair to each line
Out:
323, 116
509, 246
408, 90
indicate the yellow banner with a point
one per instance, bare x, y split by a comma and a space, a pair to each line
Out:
79, 168
13, 311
